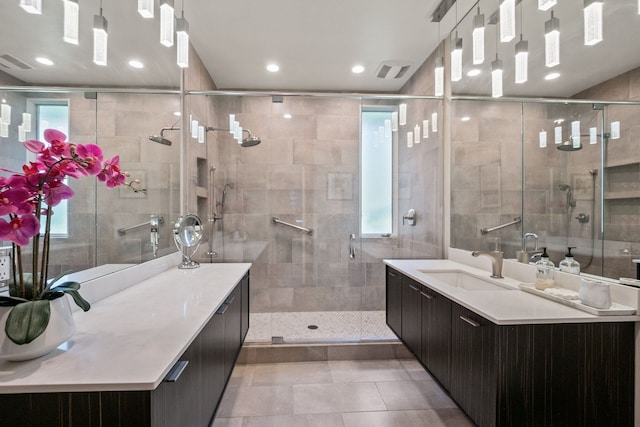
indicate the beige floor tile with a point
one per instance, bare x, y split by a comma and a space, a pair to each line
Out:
415, 370
328, 398
307, 420
292, 373
242, 375
426, 418
349, 371
255, 401
402, 395
227, 422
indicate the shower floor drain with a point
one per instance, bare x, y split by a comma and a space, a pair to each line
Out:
312, 326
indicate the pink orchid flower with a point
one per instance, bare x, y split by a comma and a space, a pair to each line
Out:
19, 229
15, 201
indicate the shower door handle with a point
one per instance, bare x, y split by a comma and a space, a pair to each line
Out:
352, 248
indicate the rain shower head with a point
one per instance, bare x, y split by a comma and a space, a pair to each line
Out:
249, 141
568, 146
160, 140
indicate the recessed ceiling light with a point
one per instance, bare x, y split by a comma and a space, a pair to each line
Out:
465, 118
287, 116
357, 69
474, 72
273, 68
44, 61
552, 76
136, 64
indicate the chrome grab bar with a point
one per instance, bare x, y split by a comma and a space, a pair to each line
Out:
276, 220
124, 230
516, 220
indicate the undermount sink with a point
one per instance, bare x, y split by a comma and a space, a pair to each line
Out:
462, 280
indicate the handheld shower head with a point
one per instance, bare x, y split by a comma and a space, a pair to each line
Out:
160, 140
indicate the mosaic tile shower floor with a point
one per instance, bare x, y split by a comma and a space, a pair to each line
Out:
332, 326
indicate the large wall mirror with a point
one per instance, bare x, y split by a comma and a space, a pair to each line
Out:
117, 106
566, 171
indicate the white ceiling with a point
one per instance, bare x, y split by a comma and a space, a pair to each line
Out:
315, 43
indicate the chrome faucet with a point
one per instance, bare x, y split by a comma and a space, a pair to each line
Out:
496, 261
525, 256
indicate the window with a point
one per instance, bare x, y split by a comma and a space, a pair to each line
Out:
376, 160
53, 114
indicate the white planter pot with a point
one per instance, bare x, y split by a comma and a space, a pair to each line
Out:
61, 327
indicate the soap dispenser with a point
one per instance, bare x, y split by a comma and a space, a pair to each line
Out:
544, 272
569, 264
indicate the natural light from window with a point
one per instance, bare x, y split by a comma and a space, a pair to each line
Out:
376, 173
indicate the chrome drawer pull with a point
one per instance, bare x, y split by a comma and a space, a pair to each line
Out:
392, 274
414, 288
176, 371
223, 309
469, 321
427, 296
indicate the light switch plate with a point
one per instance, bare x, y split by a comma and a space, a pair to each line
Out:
5, 267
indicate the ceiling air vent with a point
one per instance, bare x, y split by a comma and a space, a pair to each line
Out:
392, 70
11, 62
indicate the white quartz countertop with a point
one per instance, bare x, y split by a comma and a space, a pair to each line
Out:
130, 340
504, 307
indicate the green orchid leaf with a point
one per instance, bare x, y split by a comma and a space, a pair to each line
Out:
74, 286
11, 301
80, 302
27, 321
51, 282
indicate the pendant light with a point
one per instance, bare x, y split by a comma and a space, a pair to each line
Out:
166, 22
507, 20
478, 38
496, 78
456, 59
438, 72
522, 56
592, 22
182, 34
145, 8
439, 77
522, 60
545, 5
71, 19
552, 41
402, 114
32, 6
100, 38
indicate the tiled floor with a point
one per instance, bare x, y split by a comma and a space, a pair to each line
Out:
332, 326
365, 393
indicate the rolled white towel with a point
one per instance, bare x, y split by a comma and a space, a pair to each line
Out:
562, 293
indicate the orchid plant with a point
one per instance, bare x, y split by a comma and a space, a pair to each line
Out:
27, 199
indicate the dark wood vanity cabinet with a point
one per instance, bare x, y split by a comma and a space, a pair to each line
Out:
435, 351
394, 301
191, 399
529, 375
411, 315
473, 365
